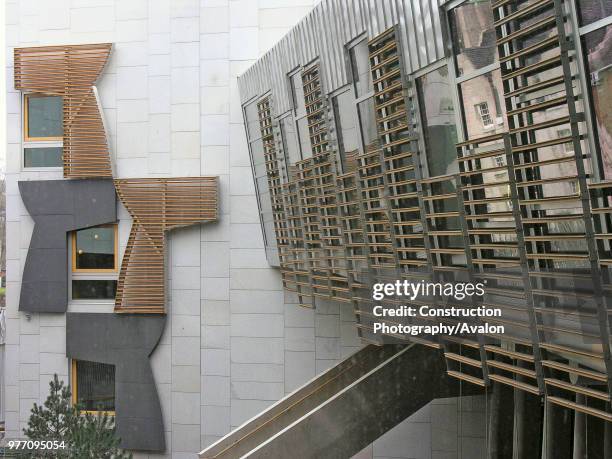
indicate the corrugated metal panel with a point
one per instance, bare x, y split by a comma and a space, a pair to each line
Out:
324, 32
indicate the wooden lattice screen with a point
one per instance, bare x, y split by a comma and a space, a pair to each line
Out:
157, 205
70, 72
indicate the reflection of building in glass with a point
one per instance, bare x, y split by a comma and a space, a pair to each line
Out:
487, 165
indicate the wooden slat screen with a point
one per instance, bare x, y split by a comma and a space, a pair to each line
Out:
70, 72
157, 205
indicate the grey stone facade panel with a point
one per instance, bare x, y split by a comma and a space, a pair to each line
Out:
126, 341
57, 207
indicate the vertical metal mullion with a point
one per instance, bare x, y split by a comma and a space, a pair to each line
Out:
470, 266
529, 303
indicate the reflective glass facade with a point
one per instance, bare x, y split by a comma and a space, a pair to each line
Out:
486, 161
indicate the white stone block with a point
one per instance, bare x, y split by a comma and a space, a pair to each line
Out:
159, 133
96, 19
215, 288
214, 46
185, 54
244, 209
184, 29
159, 94
186, 145
132, 110
244, 43
214, 73
132, 30
132, 140
159, 43
185, 117
215, 160
214, 100
185, 85
215, 129
130, 54
132, 82
133, 9
216, 362
214, 20
216, 390
244, 13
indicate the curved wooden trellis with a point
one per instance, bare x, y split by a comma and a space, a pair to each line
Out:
157, 205
70, 72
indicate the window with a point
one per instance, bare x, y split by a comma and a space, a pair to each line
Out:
258, 161
93, 386
348, 135
499, 161
482, 109
42, 131
598, 48
95, 263
438, 117
290, 145
297, 92
473, 35
360, 68
484, 94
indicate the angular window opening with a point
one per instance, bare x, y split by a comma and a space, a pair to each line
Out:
348, 133
95, 263
42, 131
93, 386
473, 36
598, 49
438, 118
360, 68
95, 249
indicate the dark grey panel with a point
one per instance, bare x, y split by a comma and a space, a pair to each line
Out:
57, 207
125, 341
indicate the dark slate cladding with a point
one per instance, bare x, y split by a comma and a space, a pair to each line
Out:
125, 341
57, 207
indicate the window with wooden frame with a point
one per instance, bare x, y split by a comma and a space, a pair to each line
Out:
95, 263
42, 131
93, 386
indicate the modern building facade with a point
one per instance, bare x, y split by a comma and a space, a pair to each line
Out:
460, 141
198, 207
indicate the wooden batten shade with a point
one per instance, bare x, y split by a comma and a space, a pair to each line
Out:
157, 205
70, 72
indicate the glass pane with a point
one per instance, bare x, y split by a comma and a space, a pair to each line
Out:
95, 386
95, 248
297, 91
304, 136
94, 289
360, 66
483, 106
290, 143
473, 35
438, 114
44, 116
348, 135
252, 119
367, 121
42, 157
598, 46
593, 10
259, 160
